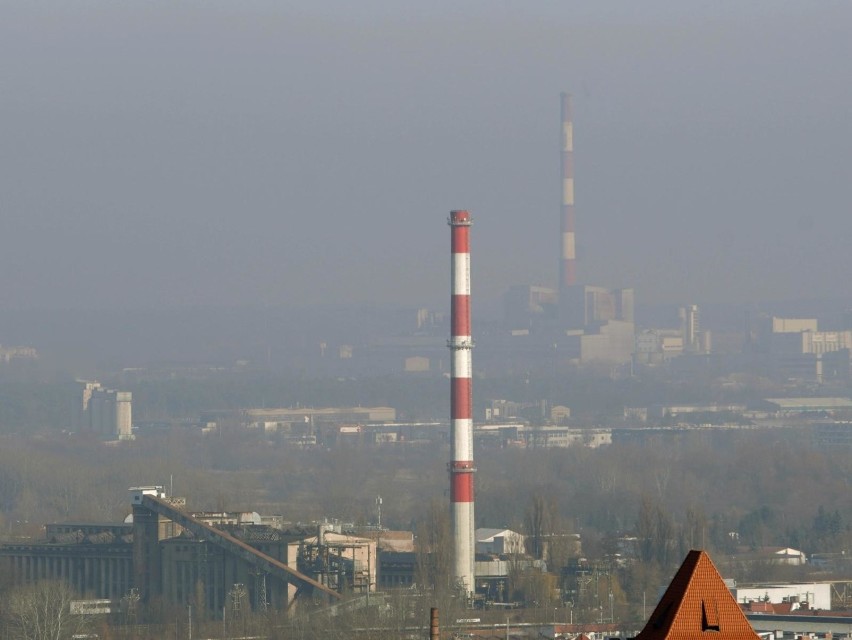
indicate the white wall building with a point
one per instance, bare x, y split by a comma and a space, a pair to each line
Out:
499, 542
812, 595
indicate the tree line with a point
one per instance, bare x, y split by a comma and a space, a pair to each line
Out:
722, 492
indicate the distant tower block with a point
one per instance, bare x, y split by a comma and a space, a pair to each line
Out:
691, 328
124, 415
461, 466
567, 272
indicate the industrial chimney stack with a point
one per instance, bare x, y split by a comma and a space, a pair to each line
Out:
567, 275
461, 405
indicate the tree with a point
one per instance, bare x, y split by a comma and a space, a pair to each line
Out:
534, 588
693, 533
434, 548
541, 517
655, 530
827, 527
642, 581
42, 611
645, 530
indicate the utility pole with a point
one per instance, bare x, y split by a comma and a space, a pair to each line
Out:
611, 614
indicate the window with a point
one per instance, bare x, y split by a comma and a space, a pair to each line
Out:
709, 616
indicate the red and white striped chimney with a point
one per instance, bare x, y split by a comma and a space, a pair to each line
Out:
567, 275
461, 405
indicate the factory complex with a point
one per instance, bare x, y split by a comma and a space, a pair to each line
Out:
165, 552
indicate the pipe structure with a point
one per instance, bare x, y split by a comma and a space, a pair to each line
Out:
567, 274
461, 466
434, 627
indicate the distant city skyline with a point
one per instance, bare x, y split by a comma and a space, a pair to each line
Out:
214, 154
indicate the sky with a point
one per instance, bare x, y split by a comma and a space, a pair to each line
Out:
167, 154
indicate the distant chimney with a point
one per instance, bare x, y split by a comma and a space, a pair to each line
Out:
567, 274
461, 466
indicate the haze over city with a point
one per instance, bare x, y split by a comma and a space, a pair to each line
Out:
321, 321
165, 155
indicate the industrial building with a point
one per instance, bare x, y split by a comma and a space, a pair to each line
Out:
608, 343
599, 321
498, 542
541, 437
297, 419
527, 306
94, 559
584, 306
302, 426
166, 553
283, 418
787, 407
170, 553
654, 347
580, 322
659, 411
657, 346
20, 353
695, 338
809, 595
795, 349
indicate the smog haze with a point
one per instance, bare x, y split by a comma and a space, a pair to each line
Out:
162, 154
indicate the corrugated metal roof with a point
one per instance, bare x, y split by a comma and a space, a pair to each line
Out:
811, 403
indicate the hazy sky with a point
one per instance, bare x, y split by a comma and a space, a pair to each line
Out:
167, 153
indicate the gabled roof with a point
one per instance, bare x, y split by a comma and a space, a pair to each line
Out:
697, 605
484, 534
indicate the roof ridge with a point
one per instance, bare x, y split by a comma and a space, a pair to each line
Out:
696, 602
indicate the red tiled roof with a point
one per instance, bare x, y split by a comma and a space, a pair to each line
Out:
697, 605
782, 608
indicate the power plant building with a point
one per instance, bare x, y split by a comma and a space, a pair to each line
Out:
168, 552
95, 559
583, 323
587, 307
598, 322
657, 346
611, 343
796, 350
526, 306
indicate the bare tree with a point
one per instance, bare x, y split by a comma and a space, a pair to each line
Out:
42, 611
541, 517
434, 548
656, 531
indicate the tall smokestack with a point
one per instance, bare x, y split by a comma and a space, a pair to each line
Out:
461, 404
567, 275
